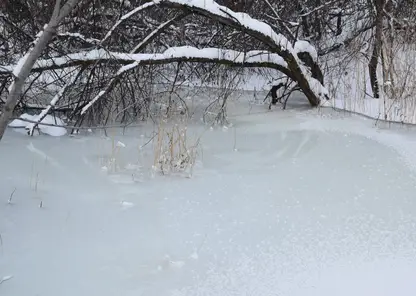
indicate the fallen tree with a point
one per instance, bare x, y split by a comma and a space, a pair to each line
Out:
297, 61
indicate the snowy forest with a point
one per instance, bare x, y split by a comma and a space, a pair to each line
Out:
96, 62
207, 147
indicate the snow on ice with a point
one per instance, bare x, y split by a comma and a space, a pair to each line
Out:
55, 131
309, 204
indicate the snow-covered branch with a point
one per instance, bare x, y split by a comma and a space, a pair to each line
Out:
31, 127
263, 32
256, 58
79, 37
38, 119
149, 38
139, 47
25, 64
277, 52
241, 21
127, 16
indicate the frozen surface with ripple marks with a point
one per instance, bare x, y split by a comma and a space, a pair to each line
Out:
286, 203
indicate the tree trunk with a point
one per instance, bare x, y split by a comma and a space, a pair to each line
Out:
378, 41
303, 83
30, 58
19, 80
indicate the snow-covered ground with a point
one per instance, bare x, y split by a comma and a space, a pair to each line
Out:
297, 202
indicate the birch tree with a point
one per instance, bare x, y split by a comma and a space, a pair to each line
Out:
25, 64
249, 42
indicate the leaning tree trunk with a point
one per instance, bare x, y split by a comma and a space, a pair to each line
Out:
378, 41
29, 60
284, 56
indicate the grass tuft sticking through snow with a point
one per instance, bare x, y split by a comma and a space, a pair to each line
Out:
172, 151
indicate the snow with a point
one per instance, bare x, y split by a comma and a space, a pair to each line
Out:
45, 111
19, 65
127, 67
305, 46
128, 15
120, 144
55, 131
247, 21
242, 18
20, 123
211, 7
18, 68
311, 203
188, 52
79, 36
351, 89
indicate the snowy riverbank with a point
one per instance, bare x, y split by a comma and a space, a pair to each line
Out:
282, 203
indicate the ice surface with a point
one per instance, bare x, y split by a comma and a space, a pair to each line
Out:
6, 278
309, 204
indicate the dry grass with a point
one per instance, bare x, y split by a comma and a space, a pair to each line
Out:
110, 163
172, 151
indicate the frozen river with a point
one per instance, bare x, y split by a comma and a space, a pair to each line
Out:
284, 203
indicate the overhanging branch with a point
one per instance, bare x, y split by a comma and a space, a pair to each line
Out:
175, 54
261, 31
280, 54
240, 21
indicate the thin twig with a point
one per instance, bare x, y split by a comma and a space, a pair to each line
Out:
145, 144
6, 278
11, 196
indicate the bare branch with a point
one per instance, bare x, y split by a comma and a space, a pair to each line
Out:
346, 41
31, 127
261, 31
127, 16
136, 49
282, 23
25, 64
173, 54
